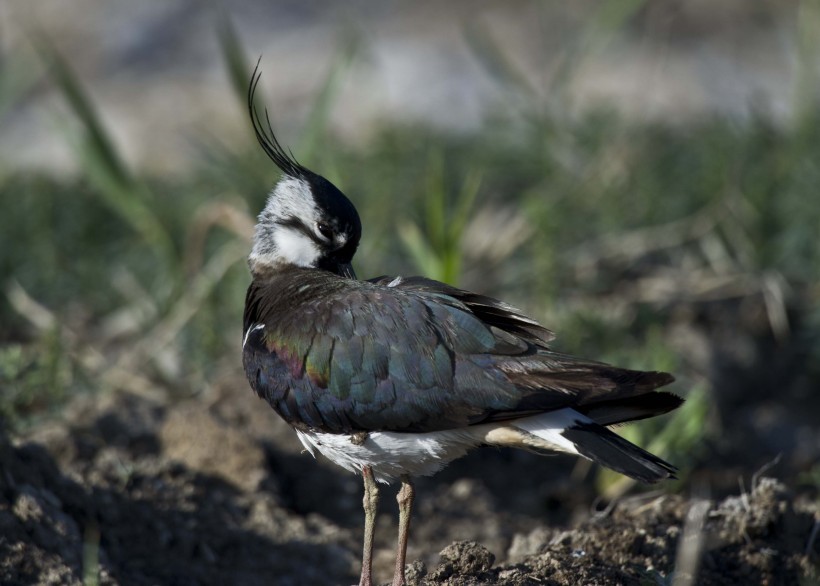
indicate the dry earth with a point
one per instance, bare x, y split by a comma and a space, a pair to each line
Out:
216, 491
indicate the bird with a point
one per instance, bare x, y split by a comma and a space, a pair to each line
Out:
394, 377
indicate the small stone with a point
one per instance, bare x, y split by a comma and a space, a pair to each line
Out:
27, 508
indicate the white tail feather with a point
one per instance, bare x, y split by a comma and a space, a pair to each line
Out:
548, 427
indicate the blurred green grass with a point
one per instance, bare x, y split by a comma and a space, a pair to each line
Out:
602, 228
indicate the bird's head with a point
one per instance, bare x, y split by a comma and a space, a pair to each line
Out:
307, 221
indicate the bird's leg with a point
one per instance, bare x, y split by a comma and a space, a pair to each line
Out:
370, 500
405, 499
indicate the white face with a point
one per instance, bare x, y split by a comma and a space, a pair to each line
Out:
294, 247
277, 243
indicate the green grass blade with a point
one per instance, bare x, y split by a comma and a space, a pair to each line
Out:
316, 124
236, 62
18, 76
424, 256
434, 202
99, 143
101, 161
500, 67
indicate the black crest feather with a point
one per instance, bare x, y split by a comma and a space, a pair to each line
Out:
266, 137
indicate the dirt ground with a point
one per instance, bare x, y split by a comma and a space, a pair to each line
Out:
216, 491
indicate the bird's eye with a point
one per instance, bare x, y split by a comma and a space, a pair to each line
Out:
325, 230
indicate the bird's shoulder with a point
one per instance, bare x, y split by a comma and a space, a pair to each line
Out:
315, 300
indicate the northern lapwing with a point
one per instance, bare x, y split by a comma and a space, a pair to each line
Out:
396, 377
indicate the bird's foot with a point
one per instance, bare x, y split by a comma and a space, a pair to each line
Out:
398, 580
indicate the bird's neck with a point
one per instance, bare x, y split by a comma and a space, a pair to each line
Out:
286, 276
263, 267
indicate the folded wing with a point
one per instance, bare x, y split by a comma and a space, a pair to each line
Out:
416, 355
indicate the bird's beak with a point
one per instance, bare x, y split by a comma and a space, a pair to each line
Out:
346, 270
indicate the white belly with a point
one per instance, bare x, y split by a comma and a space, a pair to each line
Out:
390, 454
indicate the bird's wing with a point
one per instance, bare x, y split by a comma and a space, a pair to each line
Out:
491, 311
372, 357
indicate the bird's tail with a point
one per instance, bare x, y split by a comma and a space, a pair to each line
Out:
568, 430
607, 448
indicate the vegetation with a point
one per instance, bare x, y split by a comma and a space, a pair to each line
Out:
609, 231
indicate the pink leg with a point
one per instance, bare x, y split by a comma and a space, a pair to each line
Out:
405, 499
371, 499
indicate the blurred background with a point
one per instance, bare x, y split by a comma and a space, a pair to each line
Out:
642, 177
